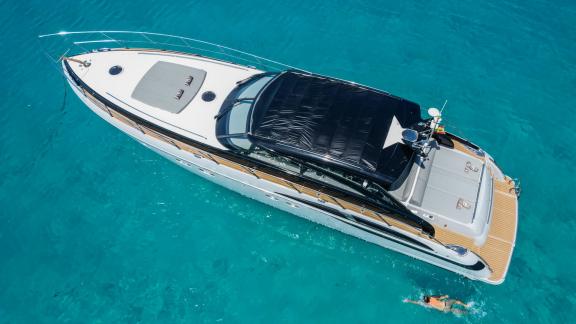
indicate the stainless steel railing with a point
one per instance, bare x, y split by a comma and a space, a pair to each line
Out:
62, 44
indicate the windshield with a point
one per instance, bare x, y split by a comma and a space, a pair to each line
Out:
233, 117
251, 88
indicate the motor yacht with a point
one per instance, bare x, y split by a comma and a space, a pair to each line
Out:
348, 156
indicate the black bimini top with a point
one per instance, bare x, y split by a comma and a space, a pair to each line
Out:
333, 122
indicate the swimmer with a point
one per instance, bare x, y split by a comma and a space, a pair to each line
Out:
441, 303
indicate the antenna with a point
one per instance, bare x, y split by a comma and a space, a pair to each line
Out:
436, 115
443, 106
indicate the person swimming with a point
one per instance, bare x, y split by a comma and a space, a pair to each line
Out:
442, 303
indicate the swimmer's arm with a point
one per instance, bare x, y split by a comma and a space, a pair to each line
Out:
412, 301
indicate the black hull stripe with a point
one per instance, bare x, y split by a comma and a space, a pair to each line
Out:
377, 229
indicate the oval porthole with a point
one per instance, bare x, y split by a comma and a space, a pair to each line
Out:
115, 70
208, 96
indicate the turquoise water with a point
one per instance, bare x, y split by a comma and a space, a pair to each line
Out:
96, 228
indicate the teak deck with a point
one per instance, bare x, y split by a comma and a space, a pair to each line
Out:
498, 247
496, 251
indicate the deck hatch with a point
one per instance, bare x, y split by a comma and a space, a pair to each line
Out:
168, 86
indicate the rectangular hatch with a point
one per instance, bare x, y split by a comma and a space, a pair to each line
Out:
168, 86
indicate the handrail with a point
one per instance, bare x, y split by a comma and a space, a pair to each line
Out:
77, 42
